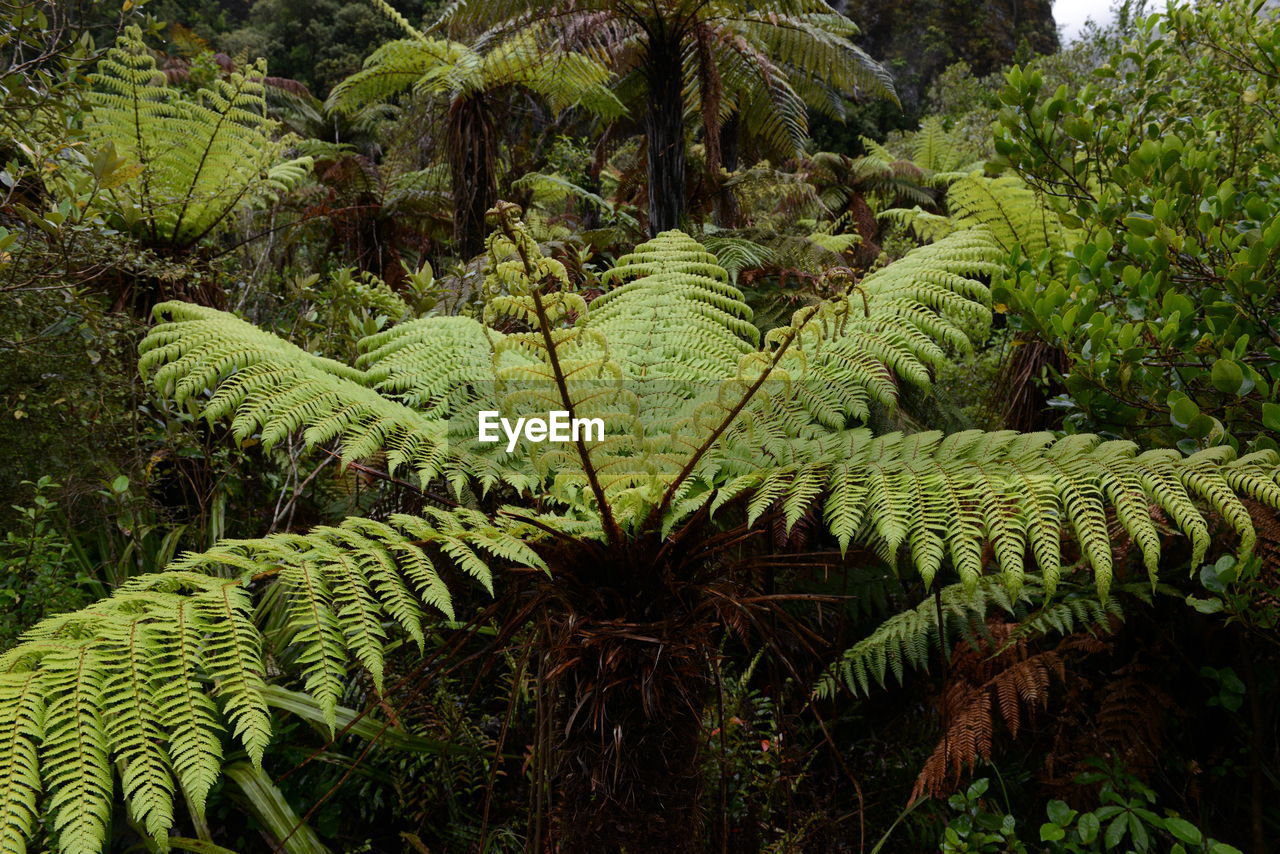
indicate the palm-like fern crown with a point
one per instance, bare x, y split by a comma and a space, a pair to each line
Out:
769, 62
778, 61
699, 413
192, 159
431, 66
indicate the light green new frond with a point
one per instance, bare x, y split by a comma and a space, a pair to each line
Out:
396, 17
843, 511
679, 317
876, 151
892, 326
233, 660
195, 744
1073, 614
1012, 214
134, 729
908, 639
74, 753
433, 365
316, 630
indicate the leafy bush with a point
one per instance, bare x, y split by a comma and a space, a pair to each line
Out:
1125, 820
37, 572
1168, 300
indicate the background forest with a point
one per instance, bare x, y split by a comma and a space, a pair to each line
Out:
860, 614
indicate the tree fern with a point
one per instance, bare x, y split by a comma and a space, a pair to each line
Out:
766, 63
194, 158
707, 421
469, 79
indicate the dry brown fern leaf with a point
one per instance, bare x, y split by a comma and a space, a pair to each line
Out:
1002, 676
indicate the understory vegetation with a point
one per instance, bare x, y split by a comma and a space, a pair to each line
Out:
938, 372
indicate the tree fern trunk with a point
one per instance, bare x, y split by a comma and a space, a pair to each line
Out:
599, 155
728, 213
630, 716
664, 135
471, 157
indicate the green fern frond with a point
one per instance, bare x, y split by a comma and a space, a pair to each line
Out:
22, 714
736, 254
193, 159
908, 640
942, 155
927, 226
1018, 492
272, 386
74, 746
129, 682
1013, 215
429, 66
700, 409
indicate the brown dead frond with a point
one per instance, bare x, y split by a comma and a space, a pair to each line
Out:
1003, 677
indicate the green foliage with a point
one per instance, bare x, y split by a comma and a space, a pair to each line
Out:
770, 477
471, 82
35, 567
910, 638
1125, 820
173, 166
316, 42
755, 69
679, 321
129, 680
1172, 276
350, 305
440, 67
916, 40
815, 51
744, 735
767, 63
46, 46
734, 254
65, 343
1241, 590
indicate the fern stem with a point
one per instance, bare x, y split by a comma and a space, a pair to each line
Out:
656, 514
612, 532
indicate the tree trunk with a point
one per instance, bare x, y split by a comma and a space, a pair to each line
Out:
471, 159
599, 155
664, 134
728, 214
630, 714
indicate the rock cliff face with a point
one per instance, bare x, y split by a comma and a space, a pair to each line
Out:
917, 39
